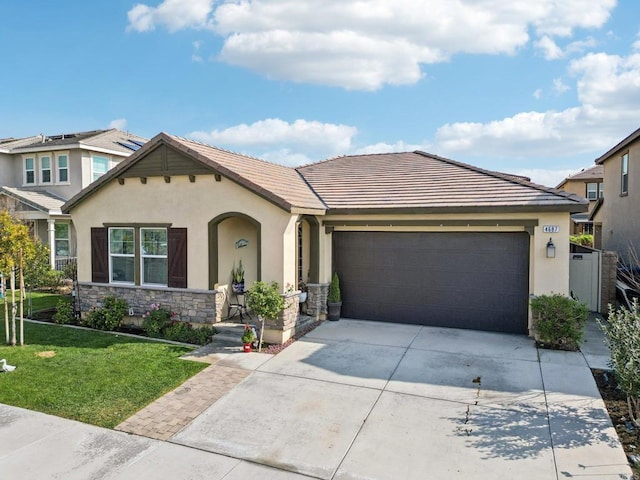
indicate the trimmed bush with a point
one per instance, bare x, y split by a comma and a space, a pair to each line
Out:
558, 321
110, 316
64, 312
159, 323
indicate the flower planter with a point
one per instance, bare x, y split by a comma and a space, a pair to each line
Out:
333, 313
247, 348
237, 287
303, 297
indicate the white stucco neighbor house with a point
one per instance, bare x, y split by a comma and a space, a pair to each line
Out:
414, 237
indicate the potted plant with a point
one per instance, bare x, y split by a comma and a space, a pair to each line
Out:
237, 277
334, 299
248, 337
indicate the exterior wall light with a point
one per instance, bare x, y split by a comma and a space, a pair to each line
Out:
551, 249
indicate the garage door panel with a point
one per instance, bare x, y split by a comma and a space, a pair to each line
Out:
462, 280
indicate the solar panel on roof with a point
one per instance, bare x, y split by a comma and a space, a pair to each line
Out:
131, 146
137, 142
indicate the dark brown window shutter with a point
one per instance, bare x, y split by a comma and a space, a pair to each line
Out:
177, 257
99, 255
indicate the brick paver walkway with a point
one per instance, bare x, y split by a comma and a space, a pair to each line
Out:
171, 413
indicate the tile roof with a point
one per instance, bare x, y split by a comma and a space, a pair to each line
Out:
111, 139
39, 200
417, 180
623, 144
593, 173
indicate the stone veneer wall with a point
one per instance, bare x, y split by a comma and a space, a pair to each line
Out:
195, 306
608, 273
316, 304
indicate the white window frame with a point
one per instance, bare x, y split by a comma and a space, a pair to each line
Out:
624, 174
592, 193
143, 256
58, 168
41, 170
121, 255
601, 190
25, 171
67, 239
93, 173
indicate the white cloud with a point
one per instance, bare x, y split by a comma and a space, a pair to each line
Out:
119, 123
636, 44
273, 135
195, 56
173, 14
399, 146
365, 45
537, 94
550, 50
608, 88
559, 86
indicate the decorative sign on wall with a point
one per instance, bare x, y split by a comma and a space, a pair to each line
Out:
242, 243
550, 228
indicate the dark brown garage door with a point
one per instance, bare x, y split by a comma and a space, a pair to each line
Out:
461, 280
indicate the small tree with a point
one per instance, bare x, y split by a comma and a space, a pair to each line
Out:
622, 333
265, 301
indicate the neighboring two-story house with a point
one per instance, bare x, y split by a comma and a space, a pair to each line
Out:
587, 183
621, 205
39, 173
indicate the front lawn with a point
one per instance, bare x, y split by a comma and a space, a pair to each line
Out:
39, 301
90, 376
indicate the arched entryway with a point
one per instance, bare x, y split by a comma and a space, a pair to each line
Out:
308, 245
234, 236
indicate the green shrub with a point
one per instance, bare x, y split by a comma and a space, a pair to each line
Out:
110, 316
558, 321
52, 280
583, 239
64, 312
334, 290
159, 323
156, 320
622, 334
70, 270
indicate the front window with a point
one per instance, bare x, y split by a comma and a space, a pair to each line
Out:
121, 255
592, 191
30, 171
63, 168
62, 239
45, 169
624, 181
99, 166
153, 253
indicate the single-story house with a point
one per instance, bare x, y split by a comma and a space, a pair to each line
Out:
414, 238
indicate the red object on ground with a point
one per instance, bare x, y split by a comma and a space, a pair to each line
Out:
247, 347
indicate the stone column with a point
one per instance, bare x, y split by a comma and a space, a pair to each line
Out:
317, 300
51, 228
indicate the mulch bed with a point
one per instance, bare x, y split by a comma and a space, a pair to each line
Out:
616, 403
277, 348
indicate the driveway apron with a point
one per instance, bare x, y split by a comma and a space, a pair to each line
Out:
365, 400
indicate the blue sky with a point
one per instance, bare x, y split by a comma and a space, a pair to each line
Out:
539, 87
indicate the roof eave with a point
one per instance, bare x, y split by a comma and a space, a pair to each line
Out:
623, 144
569, 208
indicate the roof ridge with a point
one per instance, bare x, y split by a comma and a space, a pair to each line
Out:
503, 176
326, 160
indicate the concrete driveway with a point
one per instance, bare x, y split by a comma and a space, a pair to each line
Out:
365, 400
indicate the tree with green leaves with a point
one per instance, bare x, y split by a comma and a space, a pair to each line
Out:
265, 301
17, 248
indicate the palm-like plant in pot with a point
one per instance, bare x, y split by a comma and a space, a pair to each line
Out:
237, 278
334, 299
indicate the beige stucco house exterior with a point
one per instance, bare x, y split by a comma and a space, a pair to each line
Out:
415, 238
620, 217
587, 183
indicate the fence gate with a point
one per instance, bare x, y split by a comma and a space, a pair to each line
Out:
584, 278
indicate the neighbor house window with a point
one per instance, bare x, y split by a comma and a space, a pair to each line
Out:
63, 168
624, 180
592, 191
99, 166
30, 171
45, 169
121, 255
62, 239
601, 189
153, 253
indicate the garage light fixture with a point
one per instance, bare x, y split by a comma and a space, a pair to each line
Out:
551, 249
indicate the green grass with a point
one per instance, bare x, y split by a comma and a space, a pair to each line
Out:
39, 301
94, 377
